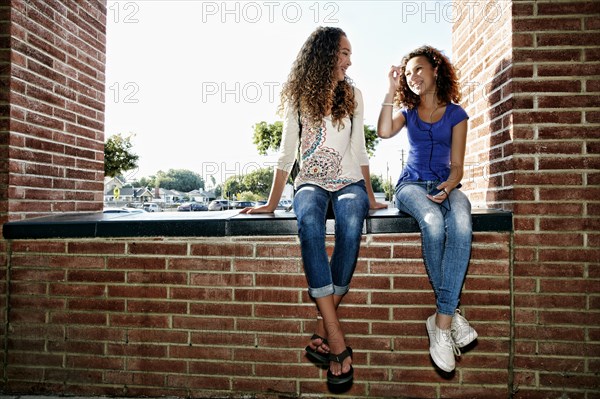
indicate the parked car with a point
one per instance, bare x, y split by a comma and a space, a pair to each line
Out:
219, 205
284, 204
151, 207
192, 207
241, 204
123, 209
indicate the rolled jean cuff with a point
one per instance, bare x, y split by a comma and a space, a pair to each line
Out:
340, 291
321, 292
328, 290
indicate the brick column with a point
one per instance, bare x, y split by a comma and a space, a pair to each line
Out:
532, 77
55, 104
482, 52
52, 57
4, 128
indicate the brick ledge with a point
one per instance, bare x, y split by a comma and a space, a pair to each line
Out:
216, 224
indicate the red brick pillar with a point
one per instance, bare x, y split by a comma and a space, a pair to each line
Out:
53, 144
482, 52
532, 80
4, 129
52, 57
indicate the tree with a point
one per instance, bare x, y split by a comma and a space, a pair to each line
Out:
259, 181
382, 186
248, 196
118, 157
390, 189
268, 137
179, 179
145, 182
377, 183
218, 190
233, 186
371, 139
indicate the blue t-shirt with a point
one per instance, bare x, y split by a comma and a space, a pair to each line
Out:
430, 143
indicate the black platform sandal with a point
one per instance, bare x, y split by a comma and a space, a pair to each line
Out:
345, 377
314, 354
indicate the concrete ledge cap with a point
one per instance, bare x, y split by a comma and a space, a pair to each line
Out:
216, 224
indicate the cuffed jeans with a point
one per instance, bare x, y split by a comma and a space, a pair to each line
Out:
350, 207
446, 233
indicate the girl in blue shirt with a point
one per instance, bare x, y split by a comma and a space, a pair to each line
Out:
425, 90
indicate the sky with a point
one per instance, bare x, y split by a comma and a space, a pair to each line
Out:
190, 78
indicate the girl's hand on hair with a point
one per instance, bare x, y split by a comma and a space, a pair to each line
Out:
394, 77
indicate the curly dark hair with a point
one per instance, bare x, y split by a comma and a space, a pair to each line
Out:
312, 86
448, 88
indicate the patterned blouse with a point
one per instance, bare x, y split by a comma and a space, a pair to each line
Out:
330, 158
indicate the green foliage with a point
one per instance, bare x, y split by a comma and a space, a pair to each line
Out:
382, 186
218, 191
390, 189
268, 137
118, 156
377, 183
145, 182
179, 179
248, 196
371, 139
233, 186
257, 182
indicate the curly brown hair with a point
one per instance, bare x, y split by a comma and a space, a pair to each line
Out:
447, 86
312, 86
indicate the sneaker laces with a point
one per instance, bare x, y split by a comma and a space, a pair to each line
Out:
447, 337
456, 350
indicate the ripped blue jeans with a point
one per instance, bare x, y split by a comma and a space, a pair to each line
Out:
446, 233
350, 207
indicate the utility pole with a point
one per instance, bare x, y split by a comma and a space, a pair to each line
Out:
402, 157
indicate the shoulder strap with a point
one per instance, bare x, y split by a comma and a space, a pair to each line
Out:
299, 124
299, 137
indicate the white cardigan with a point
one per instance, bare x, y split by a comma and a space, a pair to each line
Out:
330, 158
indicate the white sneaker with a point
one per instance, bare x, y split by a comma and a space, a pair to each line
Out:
441, 346
462, 333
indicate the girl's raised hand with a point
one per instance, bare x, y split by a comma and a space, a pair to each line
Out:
394, 77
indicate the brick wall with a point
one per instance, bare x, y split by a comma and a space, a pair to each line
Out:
4, 129
51, 114
206, 317
535, 128
56, 107
482, 51
215, 317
